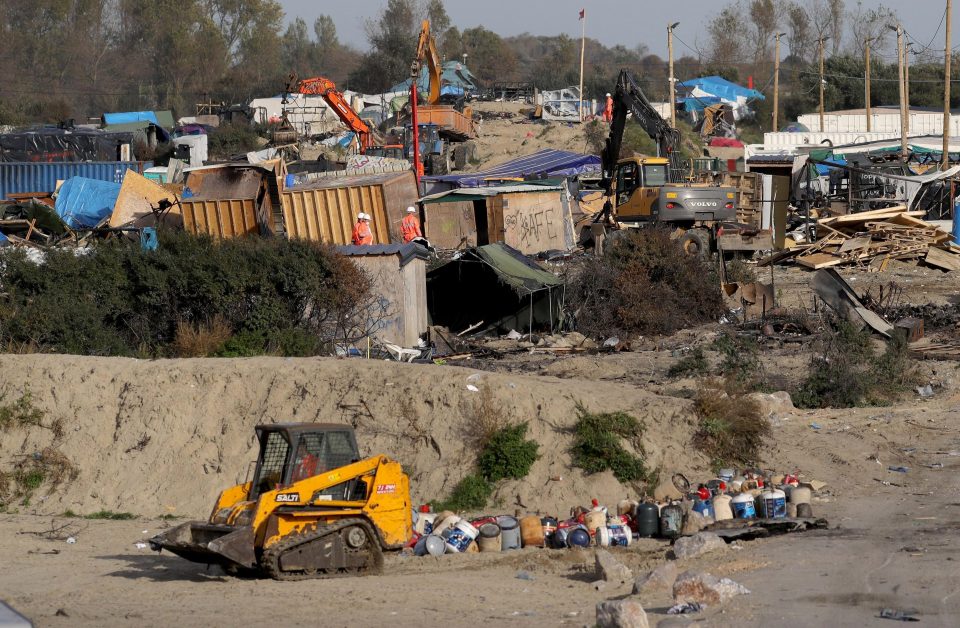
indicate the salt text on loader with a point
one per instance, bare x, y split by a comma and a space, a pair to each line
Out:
312, 510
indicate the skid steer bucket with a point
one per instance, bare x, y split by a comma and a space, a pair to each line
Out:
208, 543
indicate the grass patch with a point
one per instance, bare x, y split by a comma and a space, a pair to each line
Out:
731, 430
847, 372
48, 467
470, 493
691, 365
202, 339
20, 412
597, 444
111, 515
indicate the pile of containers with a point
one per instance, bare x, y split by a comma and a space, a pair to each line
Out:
748, 495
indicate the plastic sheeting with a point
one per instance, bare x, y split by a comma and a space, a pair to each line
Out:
160, 118
84, 203
545, 163
57, 145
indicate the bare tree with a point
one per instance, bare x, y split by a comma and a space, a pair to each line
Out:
727, 36
828, 18
872, 24
799, 31
765, 18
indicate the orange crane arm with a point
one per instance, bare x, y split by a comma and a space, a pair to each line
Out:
427, 49
319, 86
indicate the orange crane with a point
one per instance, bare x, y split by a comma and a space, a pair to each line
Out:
325, 88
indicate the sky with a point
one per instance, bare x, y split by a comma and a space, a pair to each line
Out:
626, 22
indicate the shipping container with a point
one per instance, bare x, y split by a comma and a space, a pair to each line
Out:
786, 139
882, 121
326, 211
220, 218
17, 176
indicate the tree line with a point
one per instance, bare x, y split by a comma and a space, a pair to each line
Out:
78, 58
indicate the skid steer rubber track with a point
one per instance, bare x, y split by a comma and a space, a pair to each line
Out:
345, 548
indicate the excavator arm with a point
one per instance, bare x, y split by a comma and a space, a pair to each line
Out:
325, 88
629, 98
427, 51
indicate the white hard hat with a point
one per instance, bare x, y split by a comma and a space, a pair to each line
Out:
608, 94
360, 216
367, 217
411, 210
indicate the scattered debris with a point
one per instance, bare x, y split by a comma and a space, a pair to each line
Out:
686, 608
896, 615
703, 588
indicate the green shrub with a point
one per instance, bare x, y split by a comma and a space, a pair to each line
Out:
507, 454
231, 139
597, 444
19, 413
731, 430
690, 365
471, 493
111, 515
192, 296
740, 362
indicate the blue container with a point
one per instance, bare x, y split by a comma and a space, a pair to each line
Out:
704, 507
290, 181
18, 177
743, 507
956, 224
578, 537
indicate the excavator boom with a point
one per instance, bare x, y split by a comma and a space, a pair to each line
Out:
427, 51
325, 88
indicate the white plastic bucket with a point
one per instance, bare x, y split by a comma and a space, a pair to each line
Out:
459, 537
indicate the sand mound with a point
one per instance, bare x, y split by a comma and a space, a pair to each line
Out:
163, 437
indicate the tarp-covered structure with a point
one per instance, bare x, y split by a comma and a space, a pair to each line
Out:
698, 93
163, 119
52, 144
455, 80
542, 164
497, 286
84, 203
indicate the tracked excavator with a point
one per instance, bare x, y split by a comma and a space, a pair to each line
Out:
639, 191
313, 509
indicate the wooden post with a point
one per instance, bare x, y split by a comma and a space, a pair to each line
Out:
906, 84
821, 40
866, 90
948, 54
776, 85
903, 112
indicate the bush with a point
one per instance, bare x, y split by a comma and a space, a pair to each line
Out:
690, 365
508, 454
740, 363
731, 430
597, 444
231, 139
471, 493
847, 373
192, 296
48, 466
19, 413
644, 283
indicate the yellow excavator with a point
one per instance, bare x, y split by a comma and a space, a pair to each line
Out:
313, 509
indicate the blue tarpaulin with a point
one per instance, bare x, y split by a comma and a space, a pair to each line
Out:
83, 203
455, 78
125, 117
547, 163
720, 87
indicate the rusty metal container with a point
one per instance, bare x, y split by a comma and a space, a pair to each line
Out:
451, 121
220, 218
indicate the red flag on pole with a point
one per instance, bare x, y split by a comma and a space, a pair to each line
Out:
583, 13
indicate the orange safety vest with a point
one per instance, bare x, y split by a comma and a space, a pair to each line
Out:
410, 227
362, 234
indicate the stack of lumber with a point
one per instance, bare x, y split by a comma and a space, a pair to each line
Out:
873, 238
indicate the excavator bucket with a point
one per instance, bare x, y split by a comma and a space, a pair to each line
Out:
202, 542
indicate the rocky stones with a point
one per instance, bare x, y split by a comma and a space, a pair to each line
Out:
610, 569
773, 404
697, 545
660, 579
693, 522
692, 586
621, 614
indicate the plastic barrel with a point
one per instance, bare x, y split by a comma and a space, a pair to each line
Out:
671, 521
800, 495
721, 508
647, 516
774, 504
489, 539
531, 531
578, 537
435, 545
509, 532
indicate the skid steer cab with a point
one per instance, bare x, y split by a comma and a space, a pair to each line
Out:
313, 509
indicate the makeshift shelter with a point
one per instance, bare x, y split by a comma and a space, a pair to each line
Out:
51, 144
455, 80
530, 217
497, 286
709, 90
162, 119
539, 165
85, 203
398, 276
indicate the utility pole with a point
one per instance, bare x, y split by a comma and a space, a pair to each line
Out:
776, 84
671, 88
906, 83
903, 110
866, 89
948, 53
821, 40
583, 47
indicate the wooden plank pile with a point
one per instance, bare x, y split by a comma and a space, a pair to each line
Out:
873, 238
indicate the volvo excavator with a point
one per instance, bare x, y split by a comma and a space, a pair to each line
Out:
313, 509
638, 191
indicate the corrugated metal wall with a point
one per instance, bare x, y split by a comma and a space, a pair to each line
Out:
328, 214
17, 176
221, 218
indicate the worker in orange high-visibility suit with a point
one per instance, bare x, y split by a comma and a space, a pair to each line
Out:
608, 109
410, 225
362, 235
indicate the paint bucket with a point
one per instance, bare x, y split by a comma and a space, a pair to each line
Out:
726, 474
671, 521
459, 537
773, 504
434, 545
614, 536
721, 507
647, 518
800, 495
425, 522
489, 539
531, 531
442, 525
509, 532
743, 506
704, 507
594, 520
578, 537
549, 525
